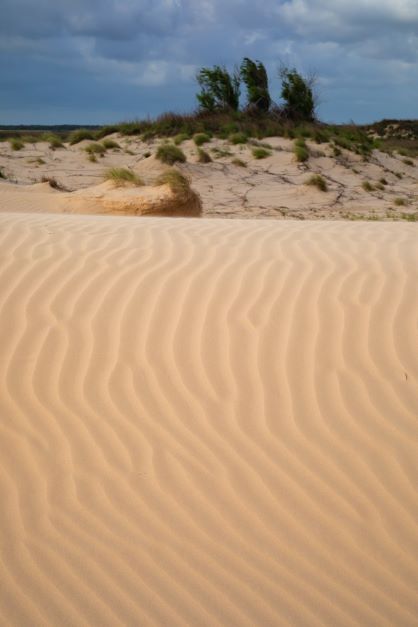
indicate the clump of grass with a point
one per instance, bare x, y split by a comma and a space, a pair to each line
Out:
79, 134
201, 138
316, 180
2, 174
220, 152
380, 186
238, 138
239, 163
54, 141
170, 154
399, 175
16, 143
123, 176
383, 181
110, 144
92, 158
367, 186
410, 217
180, 138
407, 161
203, 156
400, 202
260, 153
177, 182
95, 149
301, 150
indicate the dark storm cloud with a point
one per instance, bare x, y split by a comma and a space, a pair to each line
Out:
98, 60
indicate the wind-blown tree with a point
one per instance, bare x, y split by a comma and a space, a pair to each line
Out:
297, 93
254, 75
220, 90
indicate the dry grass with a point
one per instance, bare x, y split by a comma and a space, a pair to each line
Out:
178, 183
170, 154
316, 180
123, 176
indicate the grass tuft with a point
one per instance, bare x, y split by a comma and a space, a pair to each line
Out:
316, 180
400, 202
95, 149
367, 186
201, 138
260, 153
110, 144
170, 154
177, 182
203, 156
79, 134
301, 150
123, 176
16, 143
180, 138
238, 138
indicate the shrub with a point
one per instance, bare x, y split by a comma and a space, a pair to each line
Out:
123, 176
260, 153
110, 143
201, 138
367, 186
400, 202
169, 153
238, 138
239, 163
2, 174
383, 181
410, 217
301, 151
297, 93
16, 143
180, 138
92, 158
53, 140
255, 78
79, 134
95, 149
220, 90
177, 182
203, 156
316, 180
407, 161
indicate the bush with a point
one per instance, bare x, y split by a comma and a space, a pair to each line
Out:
170, 154
301, 151
239, 163
255, 78
16, 143
122, 176
110, 143
53, 140
400, 202
203, 156
367, 186
297, 93
238, 138
79, 134
260, 153
201, 138
177, 182
95, 149
220, 90
318, 181
180, 138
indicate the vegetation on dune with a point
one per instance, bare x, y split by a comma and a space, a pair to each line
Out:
203, 156
254, 75
2, 174
201, 138
110, 144
260, 153
178, 183
170, 154
95, 149
297, 94
123, 176
367, 186
300, 150
180, 138
316, 180
239, 162
220, 90
238, 138
79, 135
16, 143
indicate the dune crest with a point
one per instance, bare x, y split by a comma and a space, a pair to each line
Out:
208, 422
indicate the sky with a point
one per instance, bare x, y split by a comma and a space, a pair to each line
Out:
103, 61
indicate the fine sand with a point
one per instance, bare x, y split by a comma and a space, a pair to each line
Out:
208, 422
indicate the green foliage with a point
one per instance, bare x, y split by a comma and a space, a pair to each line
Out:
203, 156
260, 153
178, 183
238, 138
201, 138
316, 180
122, 176
16, 143
220, 90
297, 93
180, 138
110, 144
254, 75
400, 202
301, 150
170, 154
78, 135
367, 186
95, 149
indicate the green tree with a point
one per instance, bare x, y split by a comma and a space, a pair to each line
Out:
254, 75
297, 93
220, 90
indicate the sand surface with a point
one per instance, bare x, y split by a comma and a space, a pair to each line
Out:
208, 422
274, 187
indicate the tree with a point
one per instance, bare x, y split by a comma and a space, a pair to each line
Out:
297, 92
255, 77
220, 90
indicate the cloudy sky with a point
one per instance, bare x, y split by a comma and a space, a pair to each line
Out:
98, 61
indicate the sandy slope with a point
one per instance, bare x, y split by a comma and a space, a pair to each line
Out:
208, 422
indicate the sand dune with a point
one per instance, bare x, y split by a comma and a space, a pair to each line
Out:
208, 422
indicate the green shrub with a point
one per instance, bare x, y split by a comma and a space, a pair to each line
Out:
297, 93
400, 202
201, 138
260, 153
16, 143
110, 144
383, 181
316, 180
170, 154
79, 134
254, 75
301, 151
180, 138
238, 138
123, 176
410, 217
367, 186
92, 158
95, 149
220, 90
177, 182
203, 156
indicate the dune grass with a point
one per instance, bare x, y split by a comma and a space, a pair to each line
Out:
367, 186
260, 153
170, 154
239, 162
16, 143
238, 138
316, 180
95, 149
300, 150
2, 174
180, 138
203, 156
79, 134
123, 176
110, 144
178, 183
201, 138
